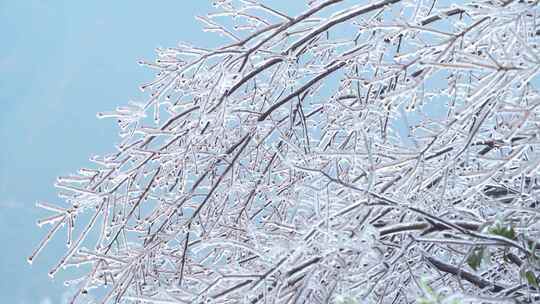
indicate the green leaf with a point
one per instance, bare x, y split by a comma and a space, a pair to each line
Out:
531, 278
500, 230
475, 259
426, 288
424, 301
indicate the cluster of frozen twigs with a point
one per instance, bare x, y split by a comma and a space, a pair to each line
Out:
356, 152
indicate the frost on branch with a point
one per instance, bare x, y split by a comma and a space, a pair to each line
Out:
355, 152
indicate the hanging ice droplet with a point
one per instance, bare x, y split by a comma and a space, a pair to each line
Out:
30, 260
101, 115
156, 114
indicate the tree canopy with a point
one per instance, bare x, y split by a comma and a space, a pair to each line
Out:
356, 152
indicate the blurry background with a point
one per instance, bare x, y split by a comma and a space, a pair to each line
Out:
60, 63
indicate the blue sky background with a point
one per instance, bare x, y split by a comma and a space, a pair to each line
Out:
60, 63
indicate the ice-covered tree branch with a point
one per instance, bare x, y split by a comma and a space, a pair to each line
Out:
375, 152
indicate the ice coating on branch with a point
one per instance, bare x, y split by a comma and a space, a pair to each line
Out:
366, 152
